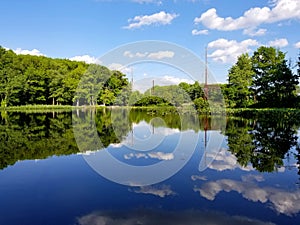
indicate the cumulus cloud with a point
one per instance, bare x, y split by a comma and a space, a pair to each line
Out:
280, 10
160, 191
145, 83
161, 18
150, 55
253, 32
279, 43
297, 45
20, 51
135, 55
86, 58
149, 217
119, 67
199, 32
227, 51
161, 55
282, 201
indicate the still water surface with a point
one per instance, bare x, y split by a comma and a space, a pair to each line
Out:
191, 172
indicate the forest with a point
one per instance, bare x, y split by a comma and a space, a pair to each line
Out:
39, 80
263, 80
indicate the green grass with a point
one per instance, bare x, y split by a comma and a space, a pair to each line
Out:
37, 108
156, 109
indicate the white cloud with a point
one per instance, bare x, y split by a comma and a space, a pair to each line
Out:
282, 201
161, 18
150, 55
86, 58
175, 80
135, 55
162, 191
279, 11
297, 45
20, 51
161, 55
253, 33
119, 67
227, 51
279, 43
145, 83
199, 32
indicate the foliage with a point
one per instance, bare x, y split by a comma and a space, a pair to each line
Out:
264, 80
32, 80
274, 83
264, 141
152, 101
239, 82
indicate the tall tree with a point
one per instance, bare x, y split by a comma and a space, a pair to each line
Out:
274, 83
239, 82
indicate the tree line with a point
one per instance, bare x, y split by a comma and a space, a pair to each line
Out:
263, 80
32, 80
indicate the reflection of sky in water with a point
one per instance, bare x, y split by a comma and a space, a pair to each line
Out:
148, 145
145, 137
191, 217
65, 190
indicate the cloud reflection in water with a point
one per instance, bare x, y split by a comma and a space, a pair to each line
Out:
283, 201
147, 217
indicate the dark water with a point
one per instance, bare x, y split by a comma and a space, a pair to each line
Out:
137, 167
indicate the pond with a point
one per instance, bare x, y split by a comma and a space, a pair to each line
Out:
132, 167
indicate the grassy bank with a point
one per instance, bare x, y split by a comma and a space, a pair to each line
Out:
287, 113
244, 112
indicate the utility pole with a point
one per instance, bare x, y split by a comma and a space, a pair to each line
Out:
152, 87
206, 99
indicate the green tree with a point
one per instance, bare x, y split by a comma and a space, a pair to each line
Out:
239, 82
274, 83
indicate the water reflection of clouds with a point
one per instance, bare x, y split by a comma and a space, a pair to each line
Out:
282, 201
160, 191
197, 177
145, 137
225, 160
147, 217
152, 155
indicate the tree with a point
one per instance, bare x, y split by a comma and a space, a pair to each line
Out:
239, 81
274, 83
115, 90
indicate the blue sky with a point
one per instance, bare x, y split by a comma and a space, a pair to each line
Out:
87, 29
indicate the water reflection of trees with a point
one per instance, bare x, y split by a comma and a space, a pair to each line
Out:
264, 141
35, 136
